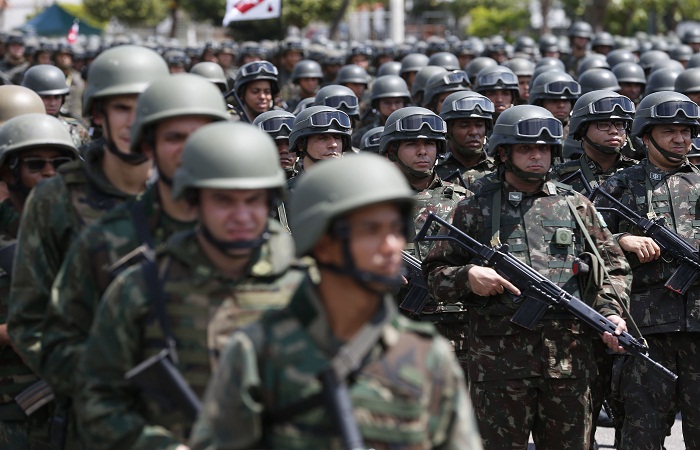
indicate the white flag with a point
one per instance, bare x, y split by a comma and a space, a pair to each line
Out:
240, 10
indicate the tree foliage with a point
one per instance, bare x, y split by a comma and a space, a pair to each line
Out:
136, 12
487, 21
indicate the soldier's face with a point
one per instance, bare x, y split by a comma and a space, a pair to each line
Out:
290, 59
29, 172
468, 133
418, 154
631, 90
389, 105
501, 99
613, 137
258, 96
672, 138
536, 158
234, 215
309, 85
52, 103
63, 60
357, 88
286, 158
360, 60
225, 60
560, 108
376, 240
170, 137
524, 86
116, 119
324, 146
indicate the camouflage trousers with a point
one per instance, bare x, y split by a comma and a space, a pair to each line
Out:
650, 399
601, 386
556, 411
29, 434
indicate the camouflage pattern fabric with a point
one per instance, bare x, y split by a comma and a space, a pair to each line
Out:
74, 100
410, 394
203, 308
29, 434
77, 130
13, 72
670, 322
559, 347
592, 172
87, 270
55, 212
449, 166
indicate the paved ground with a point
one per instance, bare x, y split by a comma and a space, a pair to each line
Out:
606, 438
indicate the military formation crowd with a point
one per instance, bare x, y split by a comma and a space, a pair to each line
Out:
219, 262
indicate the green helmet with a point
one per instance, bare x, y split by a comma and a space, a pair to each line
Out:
18, 100
598, 80
277, 123
554, 85
497, 78
212, 159
665, 107
45, 79
409, 123
195, 97
338, 187
439, 83
468, 105
629, 72
339, 97
688, 81
352, 73
477, 64
661, 80
319, 120
306, 68
122, 70
446, 60
212, 72
413, 62
599, 106
422, 77
370, 140
620, 55
256, 71
34, 130
389, 86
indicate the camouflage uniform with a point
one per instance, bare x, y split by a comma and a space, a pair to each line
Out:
670, 322
203, 307
409, 394
13, 72
73, 104
76, 129
449, 166
527, 380
91, 264
16, 430
590, 170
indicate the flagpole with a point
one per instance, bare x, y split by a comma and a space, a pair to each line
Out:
280, 33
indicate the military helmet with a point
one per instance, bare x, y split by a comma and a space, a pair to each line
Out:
446, 60
602, 39
306, 68
580, 29
122, 70
618, 56
629, 72
212, 159
303, 104
413, 122
594, 61
413, 62
45, 79
277, 123
177, 57
320, 120
548, 43
34, 130
554, 85
548, 61
668, 65
422, 77
195, 97
692, 35
598, 80
526, 124
468, 105
694, 61
18, 100
665, 107
389, 86
370, 140
598, 106
681, 53
652, 57
522, 67
212, 72
440, 83
256, 71
661, 80
497, 78
338, 187
525, 44
352, 73
339, 97
688, 81
477, 64
291, 43
389, 68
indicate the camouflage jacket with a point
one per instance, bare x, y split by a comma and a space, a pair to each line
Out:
55, 212
409, 394
559, 346
14, 72
590, 170
74, 101
675, 195
203, 307
450, 165
92, 262
77, 130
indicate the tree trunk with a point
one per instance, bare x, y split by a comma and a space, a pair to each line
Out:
338, 18
173, 17
545, 6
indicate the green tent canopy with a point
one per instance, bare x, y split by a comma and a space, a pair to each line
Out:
55, 21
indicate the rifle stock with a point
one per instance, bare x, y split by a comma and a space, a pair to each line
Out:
538, 293
417, 296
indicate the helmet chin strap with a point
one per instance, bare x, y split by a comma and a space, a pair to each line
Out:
133, 159
410, 171
605, 149
670, 156
161, 175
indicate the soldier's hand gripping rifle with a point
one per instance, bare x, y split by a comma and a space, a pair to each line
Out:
417, 295
673, 245
538, 292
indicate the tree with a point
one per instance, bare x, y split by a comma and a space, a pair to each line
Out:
487, 21
132, 12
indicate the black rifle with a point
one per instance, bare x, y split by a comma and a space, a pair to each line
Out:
671, 243
337, 400
537, 292
417, 296
578, 175
159, 380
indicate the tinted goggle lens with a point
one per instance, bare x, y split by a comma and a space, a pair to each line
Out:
275, 124
608, 105
671, 109
417, 122
533, 128
350, 101
38, 164
470, 104
326, 118
257, 67
559, 87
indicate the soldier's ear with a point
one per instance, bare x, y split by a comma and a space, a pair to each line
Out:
502, 153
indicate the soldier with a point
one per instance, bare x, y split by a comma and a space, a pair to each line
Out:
580, 34
50, 83
556, 92
63, 57
306, 78
350, 215
256, 87
14, 63
410, 65
527, 381
469, 120
163, 123
222, 275
213, 72
500, 85
664, 186
291, 51
32, 147
388, 94
630, 76
439, 86
58, 209
278, 124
